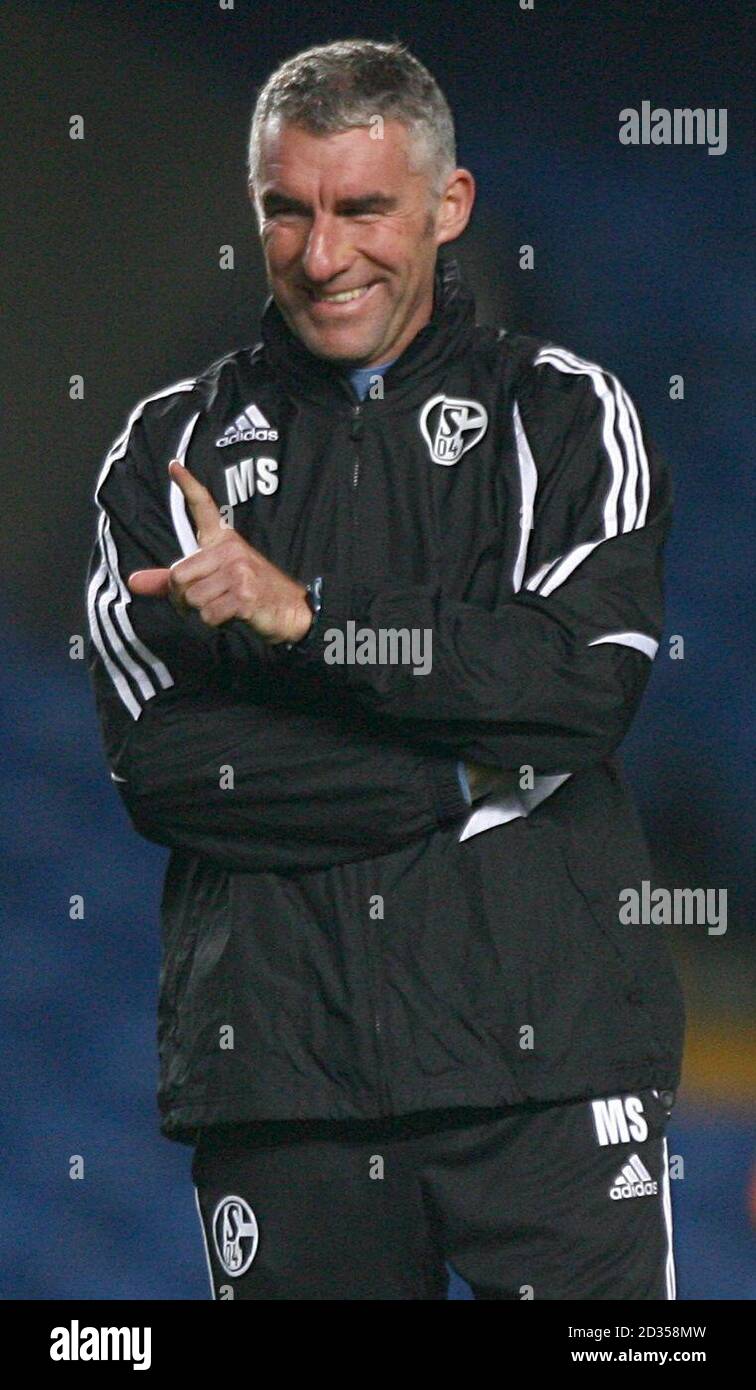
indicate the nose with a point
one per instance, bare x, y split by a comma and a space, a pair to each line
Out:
328, 250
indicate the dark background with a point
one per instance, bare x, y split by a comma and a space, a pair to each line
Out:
641, 265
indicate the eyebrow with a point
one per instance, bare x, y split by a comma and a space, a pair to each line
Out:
369, 202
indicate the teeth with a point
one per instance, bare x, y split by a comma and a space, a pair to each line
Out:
344, 296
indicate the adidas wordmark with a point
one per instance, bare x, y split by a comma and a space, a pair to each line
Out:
634, 1180
249, 427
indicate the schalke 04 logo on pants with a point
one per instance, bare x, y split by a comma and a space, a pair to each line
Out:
235, 1234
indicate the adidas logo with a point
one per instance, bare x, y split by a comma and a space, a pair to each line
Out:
251, 425
634, 1180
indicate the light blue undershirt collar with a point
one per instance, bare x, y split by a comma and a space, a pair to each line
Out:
361, 377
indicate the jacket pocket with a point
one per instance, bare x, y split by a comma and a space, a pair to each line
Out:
641, 957
562, 994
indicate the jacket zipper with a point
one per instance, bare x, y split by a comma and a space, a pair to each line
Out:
356, 431
355, 434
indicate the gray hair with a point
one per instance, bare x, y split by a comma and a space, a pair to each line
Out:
338, 86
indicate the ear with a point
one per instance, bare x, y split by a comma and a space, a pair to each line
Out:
455, 206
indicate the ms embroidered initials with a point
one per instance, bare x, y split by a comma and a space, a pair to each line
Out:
619, 1119
248, 476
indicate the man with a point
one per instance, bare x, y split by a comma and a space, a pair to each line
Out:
380, 567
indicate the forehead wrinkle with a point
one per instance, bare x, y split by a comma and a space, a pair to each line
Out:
273, 160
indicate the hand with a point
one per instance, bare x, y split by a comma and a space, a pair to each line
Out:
226, 578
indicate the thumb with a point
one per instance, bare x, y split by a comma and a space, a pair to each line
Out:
155, 583
204, 509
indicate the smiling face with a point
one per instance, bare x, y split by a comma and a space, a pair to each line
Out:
350, 228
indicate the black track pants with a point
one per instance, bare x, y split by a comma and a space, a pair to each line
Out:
568, 1201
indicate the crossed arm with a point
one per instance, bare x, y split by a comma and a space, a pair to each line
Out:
212, 748
228, 579
549, 679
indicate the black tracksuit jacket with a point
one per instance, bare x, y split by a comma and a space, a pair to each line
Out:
342, 935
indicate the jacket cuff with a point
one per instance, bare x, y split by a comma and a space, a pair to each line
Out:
338, 606
448, 797
464, 781
239, 648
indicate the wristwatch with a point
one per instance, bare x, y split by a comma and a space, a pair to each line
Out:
314, 600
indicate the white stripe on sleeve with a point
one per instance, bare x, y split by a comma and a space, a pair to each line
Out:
123, 653
181, 523
528, 485
622, 440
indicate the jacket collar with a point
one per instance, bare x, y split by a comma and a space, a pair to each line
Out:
444, 336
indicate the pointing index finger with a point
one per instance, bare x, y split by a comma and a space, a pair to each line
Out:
204, 509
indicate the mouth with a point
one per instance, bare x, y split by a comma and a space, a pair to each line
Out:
340, 301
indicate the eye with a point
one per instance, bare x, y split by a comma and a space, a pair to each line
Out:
276, 214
